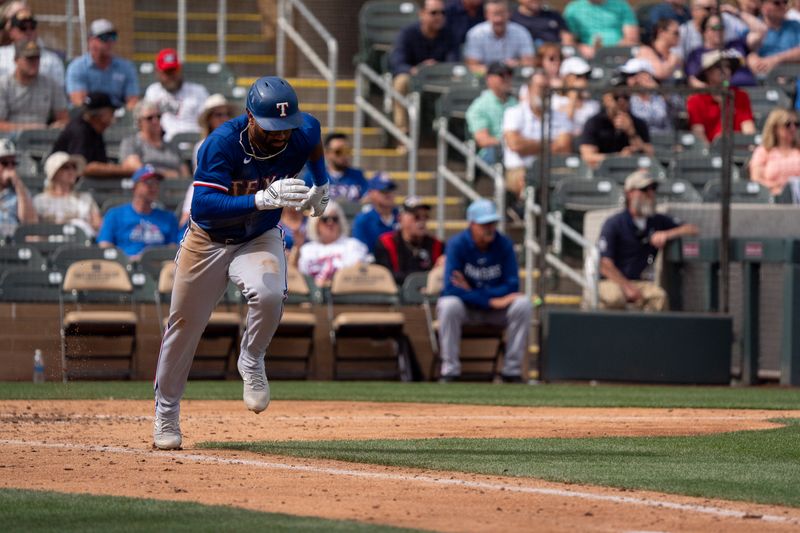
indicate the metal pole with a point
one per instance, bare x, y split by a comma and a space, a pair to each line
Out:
182, 30
84, 28
541, 262
413, 124
222, 30
333, 58
358, 118
529, 231
70, 29
441, 161
280, 40
725, 199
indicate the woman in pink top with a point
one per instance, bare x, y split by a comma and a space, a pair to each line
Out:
778, 157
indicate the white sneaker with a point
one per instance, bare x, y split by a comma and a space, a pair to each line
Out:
166, 433
256, 388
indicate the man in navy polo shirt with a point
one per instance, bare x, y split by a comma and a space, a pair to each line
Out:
381, 215
629, 243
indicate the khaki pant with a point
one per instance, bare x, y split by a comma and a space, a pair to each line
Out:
515, 180
611, 296
402, 84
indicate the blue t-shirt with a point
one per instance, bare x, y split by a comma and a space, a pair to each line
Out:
491, 273
133, 232
627, 246
777, 41
119, 80
227, 179
351, 185
369, 225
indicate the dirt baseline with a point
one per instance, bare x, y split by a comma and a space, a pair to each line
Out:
104, 447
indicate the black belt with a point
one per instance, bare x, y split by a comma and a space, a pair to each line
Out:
216, 239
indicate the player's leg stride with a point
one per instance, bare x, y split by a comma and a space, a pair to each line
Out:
247, 172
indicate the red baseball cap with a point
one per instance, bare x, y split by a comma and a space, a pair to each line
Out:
167, 59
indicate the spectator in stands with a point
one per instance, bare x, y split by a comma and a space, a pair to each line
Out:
548, 60
381, 215
485, 114
711, 27
22, 27
135, 226
462, 16
544, 24
481, 284
180, 101
597, 23
295, 225
777, 158
329, 247
347, 183
409, 248
100, 70
782, 41
629, 242
29, 99
651, 107
423, 43
676, 10
84, 135
16, 206
704, 109
614, 130
691, 36
148, 147
660, 53
497, 39
59, 203
576, 103
522, 132
7, 10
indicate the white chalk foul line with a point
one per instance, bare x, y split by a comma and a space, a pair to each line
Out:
411, 478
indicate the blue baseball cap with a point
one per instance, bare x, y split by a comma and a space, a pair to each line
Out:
382, 182
145, 173
482, 211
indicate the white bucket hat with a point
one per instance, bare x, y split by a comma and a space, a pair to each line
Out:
57, 160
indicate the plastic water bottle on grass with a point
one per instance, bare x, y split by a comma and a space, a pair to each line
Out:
38, 367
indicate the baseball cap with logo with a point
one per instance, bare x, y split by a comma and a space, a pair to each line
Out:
7, 148
21, 17
574, 65
101, 27
482, 211
97, 100
412, 203
635, 66
167, 59
641, 179
27, 48
382, 182
147, 172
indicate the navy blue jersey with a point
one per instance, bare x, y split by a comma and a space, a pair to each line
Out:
627, 246
227, 178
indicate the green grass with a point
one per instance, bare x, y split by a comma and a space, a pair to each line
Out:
757, 466
566, 395
33, 511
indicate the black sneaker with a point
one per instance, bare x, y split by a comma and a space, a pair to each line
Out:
511, 379
448, 379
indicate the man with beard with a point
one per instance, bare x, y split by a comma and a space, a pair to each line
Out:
410, 248
179, 101
629, 243
346, 182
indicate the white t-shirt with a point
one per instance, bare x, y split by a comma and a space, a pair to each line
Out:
521, 119
323, 260
793, 14
50, 64
76, 208
179, 109
587, 110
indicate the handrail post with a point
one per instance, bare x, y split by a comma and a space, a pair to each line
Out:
441, 161
222, 30
182, 30
333, 58
471, 172
413, 125
358, 118
280, 40
500, 196
529, 236
84, 28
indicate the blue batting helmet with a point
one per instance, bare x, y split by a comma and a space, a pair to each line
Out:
273, 103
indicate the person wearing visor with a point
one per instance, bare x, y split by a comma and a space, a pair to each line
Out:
629, 242
247, 173
100, 70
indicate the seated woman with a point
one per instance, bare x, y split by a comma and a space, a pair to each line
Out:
777, 158
648, 106
59, 203
710, 29
147, 147
329, 247
660, 54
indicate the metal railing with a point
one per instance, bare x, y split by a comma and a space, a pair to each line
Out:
285, 27
365, 75
69, 18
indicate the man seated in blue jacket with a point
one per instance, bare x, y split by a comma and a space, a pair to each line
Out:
381, 215
481, 285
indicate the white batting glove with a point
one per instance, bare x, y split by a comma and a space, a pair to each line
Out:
289, 192
317, 200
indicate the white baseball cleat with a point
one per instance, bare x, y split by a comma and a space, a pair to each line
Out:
256, 388
166, 433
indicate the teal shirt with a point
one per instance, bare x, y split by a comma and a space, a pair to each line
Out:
486, 112
587, 20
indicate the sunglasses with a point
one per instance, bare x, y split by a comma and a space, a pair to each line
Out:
8, 163
69, 166
108, 37
624, 97
779, 2
715, 27
649, 188
151, 117
791, 124
436, 12
27, 26
327, 220
33, 58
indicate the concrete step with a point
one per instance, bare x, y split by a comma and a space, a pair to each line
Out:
168, 22
205, 43
197, 6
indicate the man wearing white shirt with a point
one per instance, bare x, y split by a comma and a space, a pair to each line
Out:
180, 102
498, 40
22, 27
522, 132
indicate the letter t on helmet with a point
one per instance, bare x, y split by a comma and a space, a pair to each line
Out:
273, 103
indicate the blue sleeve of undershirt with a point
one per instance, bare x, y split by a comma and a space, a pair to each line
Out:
319, 174
209, 203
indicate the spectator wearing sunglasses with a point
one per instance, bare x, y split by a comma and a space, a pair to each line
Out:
180, 101
22, 26
329, 246
660, 53
576, 103
148, 147
347, 183
100, 70
629, 243
28, 99
712, 40
691, 36
777, 159
381, 215
410, 248
782, 41
59, 203
16, 205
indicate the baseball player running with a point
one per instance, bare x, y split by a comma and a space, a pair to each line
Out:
246, 173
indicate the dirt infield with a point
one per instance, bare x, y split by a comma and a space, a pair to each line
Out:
104, 447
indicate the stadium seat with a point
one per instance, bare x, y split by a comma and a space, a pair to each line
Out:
742, 192
678, 191
21, 256
453, 106
698, 168
743, 145
37, 143
90, 299
379, 22
67, 254
618, 168
25, 285
104, 188
296, 328
576, 194
172, 193
185, 142
612, 57
369, 286
764, 99
47, 237
785, 77
440, 78
561, 167
152, 259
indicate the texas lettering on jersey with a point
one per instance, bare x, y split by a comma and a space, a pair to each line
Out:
240, 187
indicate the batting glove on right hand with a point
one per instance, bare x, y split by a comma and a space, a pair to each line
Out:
317, 200
288, 192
